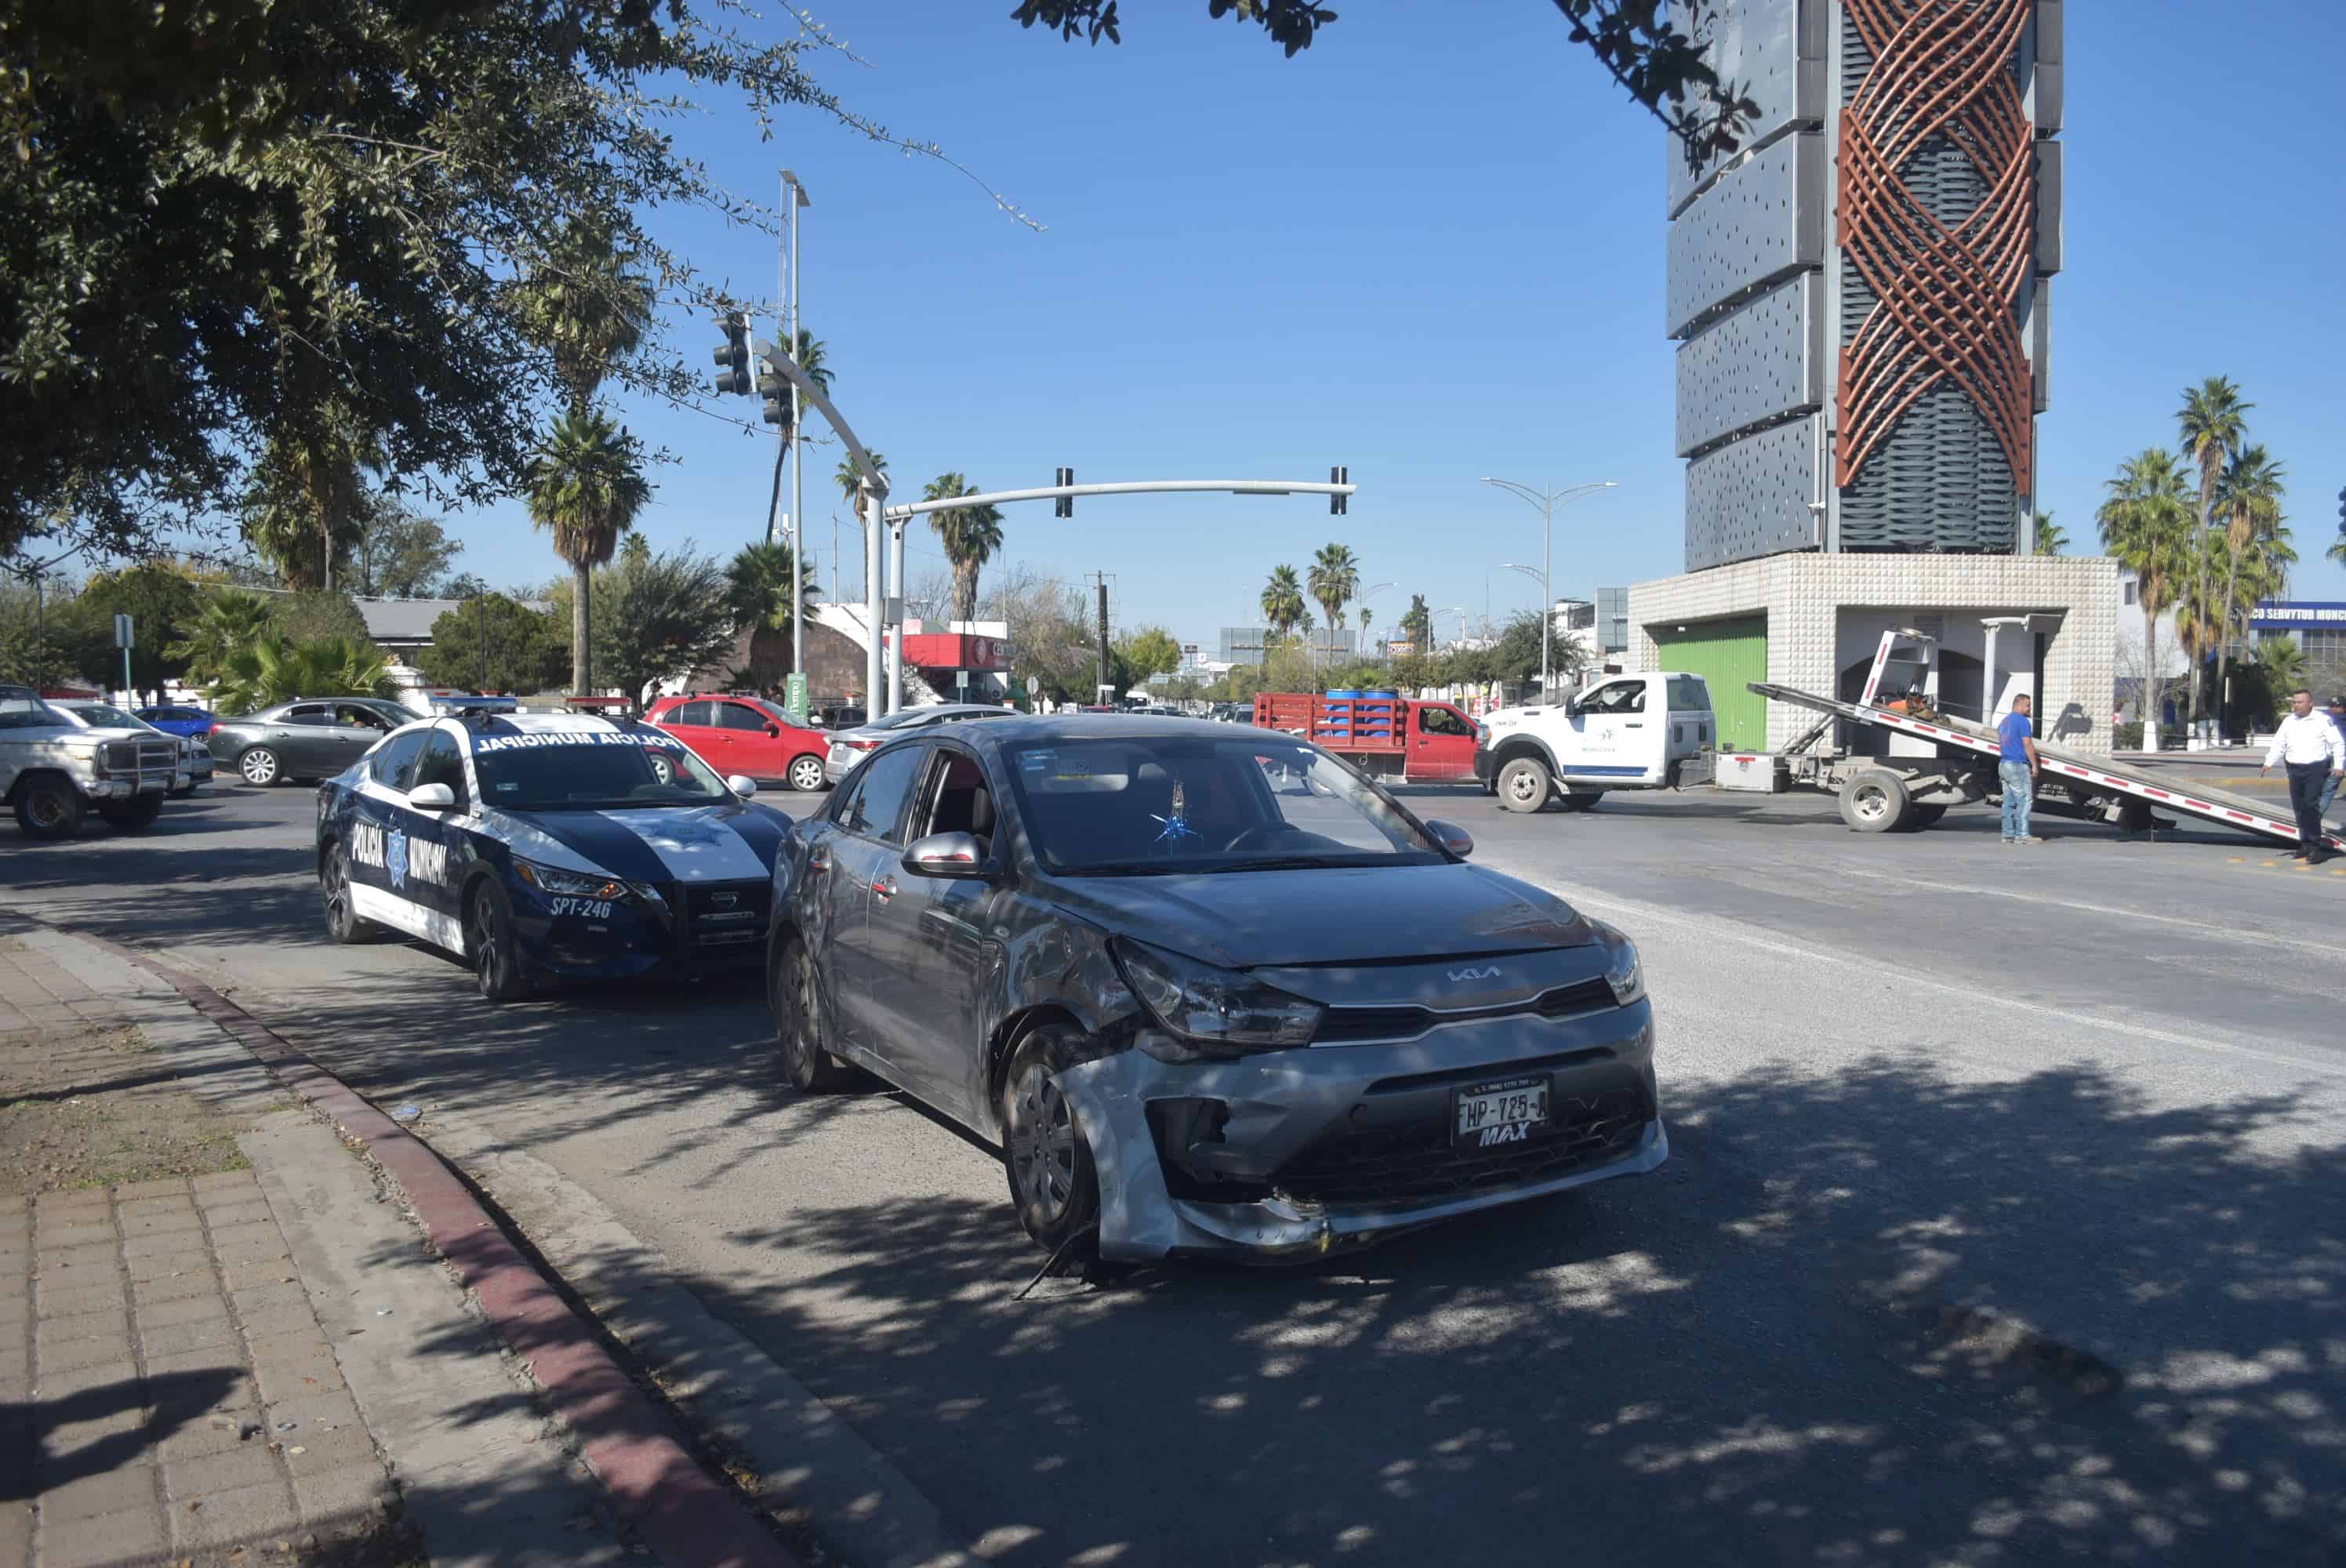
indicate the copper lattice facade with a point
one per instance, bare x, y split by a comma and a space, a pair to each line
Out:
1862, 292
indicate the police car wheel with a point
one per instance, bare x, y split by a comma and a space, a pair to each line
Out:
797, 1004
343, 924
489, 943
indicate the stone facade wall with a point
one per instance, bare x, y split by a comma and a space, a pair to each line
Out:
1804, 596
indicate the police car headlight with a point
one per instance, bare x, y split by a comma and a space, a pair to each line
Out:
570, 884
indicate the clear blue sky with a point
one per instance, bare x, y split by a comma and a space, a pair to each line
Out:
1431, 248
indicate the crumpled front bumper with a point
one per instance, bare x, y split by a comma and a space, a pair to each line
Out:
1282, 1107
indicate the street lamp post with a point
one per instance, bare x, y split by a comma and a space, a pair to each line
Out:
1547, 501
794, 196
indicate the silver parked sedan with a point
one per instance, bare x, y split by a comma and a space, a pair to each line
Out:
850, 747
309, 738
1210, 990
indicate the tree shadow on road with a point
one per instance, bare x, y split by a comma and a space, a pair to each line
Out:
1856, 1320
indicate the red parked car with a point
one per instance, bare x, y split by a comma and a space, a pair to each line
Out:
746, 735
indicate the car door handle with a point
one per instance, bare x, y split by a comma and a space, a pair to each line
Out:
1634, 723
818, 859
884, 889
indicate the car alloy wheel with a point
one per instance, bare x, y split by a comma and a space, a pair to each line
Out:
797, 1007
343, 923
488, 938
1043, 1144
806, 773
259, 766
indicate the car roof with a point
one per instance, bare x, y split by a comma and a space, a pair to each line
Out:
1027, 728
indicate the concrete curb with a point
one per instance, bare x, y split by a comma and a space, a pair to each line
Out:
638, 1453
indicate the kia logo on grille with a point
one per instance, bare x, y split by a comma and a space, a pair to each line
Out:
724, 901
1459, 976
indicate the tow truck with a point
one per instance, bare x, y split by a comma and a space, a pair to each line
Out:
1905, 793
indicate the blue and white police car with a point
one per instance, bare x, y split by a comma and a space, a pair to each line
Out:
544, 847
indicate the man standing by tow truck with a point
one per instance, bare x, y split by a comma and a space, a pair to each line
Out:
2314, 749
2015, 769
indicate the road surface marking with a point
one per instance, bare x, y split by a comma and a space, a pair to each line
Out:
2205, 928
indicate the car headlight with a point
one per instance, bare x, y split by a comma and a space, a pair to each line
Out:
1623, 973
579, 884
1211, 1013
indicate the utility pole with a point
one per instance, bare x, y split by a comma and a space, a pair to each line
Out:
794, 196
1547, 501
1101, 579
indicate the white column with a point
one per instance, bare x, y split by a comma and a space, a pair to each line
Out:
896, 643
873, 589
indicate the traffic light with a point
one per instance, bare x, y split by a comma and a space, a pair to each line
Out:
733, 358
1336, 502
774, 386
1064, 506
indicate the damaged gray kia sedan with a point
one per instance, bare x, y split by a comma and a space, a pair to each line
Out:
1210, 989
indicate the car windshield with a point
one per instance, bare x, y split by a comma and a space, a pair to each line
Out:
1177, 804
106, 715
575, 770
22, 710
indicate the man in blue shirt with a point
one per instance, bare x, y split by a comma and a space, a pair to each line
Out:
2016, 768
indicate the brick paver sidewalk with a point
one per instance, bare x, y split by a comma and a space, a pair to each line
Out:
166, 1392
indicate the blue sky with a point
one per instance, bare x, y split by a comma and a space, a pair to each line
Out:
1431, 248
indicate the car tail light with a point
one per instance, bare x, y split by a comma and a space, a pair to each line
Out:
860, 745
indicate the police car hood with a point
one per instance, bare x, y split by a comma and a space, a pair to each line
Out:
725, 842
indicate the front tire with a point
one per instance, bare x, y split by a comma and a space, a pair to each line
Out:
343, 924
48, 806
135, 815
795, 998
1525, 784
1874, 801
489, 943
260, 767
1054, 1185
806, 774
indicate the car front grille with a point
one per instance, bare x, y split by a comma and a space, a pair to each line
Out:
1415, 1163
1353, 1025
715, 916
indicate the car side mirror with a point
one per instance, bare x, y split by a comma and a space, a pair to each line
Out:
432, 798
741, 784
1451, 836
773, 731
944, 855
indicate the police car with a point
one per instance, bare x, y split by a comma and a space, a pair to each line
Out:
540, 847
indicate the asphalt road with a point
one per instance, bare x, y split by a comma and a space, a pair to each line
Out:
1958, 1129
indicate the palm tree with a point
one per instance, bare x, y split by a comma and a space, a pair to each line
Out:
269, 671
2251, 504
2051, 540
308, 497
759, 590
231, 618
851, 478
587, 306
971, 535
2145, 523
1282, 600
1417, 625
1334, 578
2214, 422
587, 485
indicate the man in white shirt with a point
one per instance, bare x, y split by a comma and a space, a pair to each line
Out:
2314, 750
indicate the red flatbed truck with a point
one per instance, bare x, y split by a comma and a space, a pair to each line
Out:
1387, 737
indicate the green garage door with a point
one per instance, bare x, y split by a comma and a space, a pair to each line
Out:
1728, 654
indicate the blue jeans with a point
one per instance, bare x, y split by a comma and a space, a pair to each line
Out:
2019, 795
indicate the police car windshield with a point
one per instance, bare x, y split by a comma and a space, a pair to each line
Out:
572, 770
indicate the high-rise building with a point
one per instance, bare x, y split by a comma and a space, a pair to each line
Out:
1860, 297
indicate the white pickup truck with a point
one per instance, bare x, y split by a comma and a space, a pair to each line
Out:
53, 770
1631, 732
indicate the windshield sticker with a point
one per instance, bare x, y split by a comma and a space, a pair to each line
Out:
1037, 761
646, 739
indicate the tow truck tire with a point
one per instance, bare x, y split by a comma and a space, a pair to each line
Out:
1920, 817
135, 815
1874, 801
795, 998
48, 806
1054, 1185
1525, 784
1582, 800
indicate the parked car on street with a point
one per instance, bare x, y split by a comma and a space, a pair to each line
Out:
839, 716
1391, 738
850, 747
746, 735
309, 738
53, 769
195, 764
542, 846
1210, 991
180, 718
